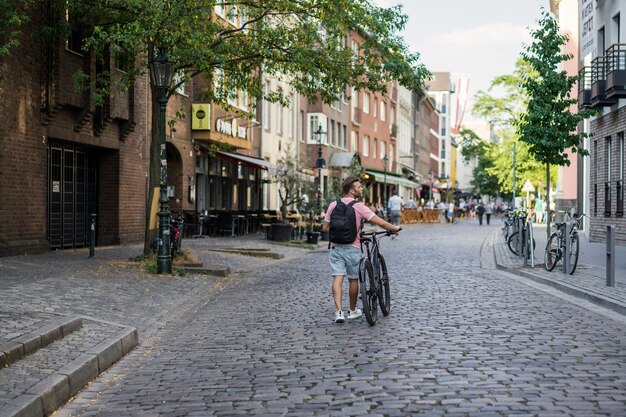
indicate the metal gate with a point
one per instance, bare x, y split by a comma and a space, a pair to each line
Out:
72, 195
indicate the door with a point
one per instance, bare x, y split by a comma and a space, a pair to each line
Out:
72, 193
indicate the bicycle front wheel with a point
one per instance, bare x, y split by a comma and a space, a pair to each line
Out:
513, 242
385, 295
552, 254
369, 292
573, 253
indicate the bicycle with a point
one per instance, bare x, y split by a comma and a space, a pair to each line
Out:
508, 219
523, 231
555, 248
373, 278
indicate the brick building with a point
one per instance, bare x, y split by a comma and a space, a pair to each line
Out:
63, 157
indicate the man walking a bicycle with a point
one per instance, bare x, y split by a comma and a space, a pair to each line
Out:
345, 255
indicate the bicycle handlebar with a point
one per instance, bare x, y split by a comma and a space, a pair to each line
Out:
386, 233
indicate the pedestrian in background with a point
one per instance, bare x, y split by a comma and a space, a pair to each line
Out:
395, 206
480, 210
488, 211
344, 258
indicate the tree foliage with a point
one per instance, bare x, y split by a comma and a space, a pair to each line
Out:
548, 124
13, 14
503, 105
302, 41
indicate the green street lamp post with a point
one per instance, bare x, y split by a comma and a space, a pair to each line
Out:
320, 164
162, 71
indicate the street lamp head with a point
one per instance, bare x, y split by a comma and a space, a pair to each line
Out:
162, 69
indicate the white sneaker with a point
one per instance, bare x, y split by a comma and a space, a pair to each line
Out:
354, 314
339, 318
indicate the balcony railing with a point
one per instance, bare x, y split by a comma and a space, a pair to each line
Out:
607, 198
616, 71
598, 84
619, 192
584, 88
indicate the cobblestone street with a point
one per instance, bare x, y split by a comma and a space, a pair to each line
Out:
460, 340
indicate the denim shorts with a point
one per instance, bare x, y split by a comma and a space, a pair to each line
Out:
344, 260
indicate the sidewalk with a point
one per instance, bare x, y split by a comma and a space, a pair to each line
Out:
588, 281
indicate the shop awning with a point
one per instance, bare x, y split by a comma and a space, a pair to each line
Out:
394, 179
247, 160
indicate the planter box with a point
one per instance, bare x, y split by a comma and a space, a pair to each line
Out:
312, 237
280, 232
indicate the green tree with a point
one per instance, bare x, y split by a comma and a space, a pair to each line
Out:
502, 105
548, 125
304, 42
475, 148
292, 184
13, 14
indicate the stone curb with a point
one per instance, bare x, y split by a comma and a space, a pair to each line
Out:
14, 350
48, 395
218, 271
595, 298
248, 252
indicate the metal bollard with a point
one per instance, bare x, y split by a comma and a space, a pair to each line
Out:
92, 242
568, 229
520, 237
610, 256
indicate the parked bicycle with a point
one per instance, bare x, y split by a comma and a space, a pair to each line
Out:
373, 277
556, 246
522, 230
176, 237
507, 228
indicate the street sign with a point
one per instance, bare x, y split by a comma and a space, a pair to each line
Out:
528, 187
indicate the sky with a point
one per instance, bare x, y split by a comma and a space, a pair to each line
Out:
478, 38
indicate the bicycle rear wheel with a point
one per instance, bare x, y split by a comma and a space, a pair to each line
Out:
552, 254
573, 253
512, 242
385, 295
369, 293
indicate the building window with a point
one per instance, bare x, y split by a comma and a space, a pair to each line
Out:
280, 119
333, 139
290, 114
354, 142
366, 145
392, 153
366, 103
74, 41
375, 149
375, 107
355, 99
383, 152
383, 111
266, 108
345, 137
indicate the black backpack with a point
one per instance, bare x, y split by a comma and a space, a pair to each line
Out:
343, 227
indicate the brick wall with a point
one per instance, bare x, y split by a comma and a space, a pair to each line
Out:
605, 126
29, 80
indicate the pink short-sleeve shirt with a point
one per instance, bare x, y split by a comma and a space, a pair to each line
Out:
363, 213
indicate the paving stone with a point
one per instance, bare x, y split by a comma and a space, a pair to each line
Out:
460, 340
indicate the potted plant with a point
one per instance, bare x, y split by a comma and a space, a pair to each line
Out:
293, 187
